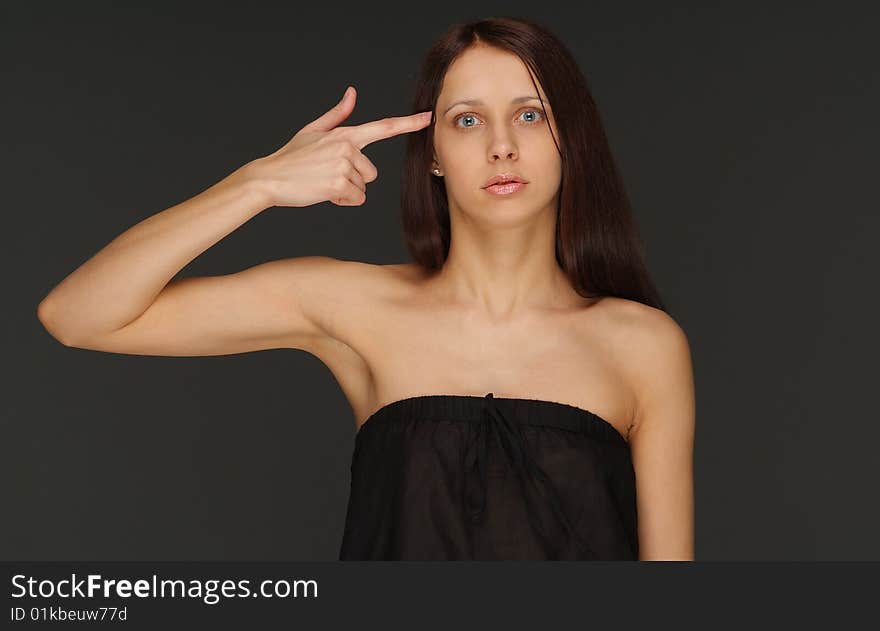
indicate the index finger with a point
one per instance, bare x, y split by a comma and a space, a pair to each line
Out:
366, 133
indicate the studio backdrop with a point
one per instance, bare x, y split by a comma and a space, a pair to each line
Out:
746, 136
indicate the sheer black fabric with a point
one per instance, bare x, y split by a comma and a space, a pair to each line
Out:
456, 477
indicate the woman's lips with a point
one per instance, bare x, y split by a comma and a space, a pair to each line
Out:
508, 188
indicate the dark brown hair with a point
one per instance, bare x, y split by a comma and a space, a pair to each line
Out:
597, 242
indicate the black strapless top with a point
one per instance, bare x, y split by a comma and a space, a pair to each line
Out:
457, 477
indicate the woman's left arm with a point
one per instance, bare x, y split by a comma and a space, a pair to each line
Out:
662, 441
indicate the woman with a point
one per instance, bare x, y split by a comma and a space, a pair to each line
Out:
519, 390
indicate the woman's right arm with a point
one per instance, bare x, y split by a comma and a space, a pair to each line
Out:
123, 299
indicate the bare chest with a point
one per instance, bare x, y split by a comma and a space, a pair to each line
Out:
405, 349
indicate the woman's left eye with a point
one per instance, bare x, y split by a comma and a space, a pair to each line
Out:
471, 115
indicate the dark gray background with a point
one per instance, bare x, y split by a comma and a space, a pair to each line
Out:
747, 136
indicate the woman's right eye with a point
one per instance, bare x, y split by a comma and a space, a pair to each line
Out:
458, 118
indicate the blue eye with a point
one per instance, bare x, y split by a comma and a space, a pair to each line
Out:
472, 115
463, 116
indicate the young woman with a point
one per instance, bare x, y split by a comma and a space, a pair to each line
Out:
519, 390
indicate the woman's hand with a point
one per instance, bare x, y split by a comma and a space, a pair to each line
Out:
323, 161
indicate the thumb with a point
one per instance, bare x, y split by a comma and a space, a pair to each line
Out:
336, 114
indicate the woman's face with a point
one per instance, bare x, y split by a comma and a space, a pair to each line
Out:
474, 141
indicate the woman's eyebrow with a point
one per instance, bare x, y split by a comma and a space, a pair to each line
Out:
519, 99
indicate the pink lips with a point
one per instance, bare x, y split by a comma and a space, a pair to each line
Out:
505, 189
500, 178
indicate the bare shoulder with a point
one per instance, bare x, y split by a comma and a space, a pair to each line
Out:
334, 293
653, 349
636, 318
402, 274
328, 292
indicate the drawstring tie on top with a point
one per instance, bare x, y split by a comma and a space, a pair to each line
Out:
509, 437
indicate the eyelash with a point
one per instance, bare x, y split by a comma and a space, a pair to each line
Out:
531, 109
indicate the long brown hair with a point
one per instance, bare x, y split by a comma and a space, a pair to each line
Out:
597, 241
